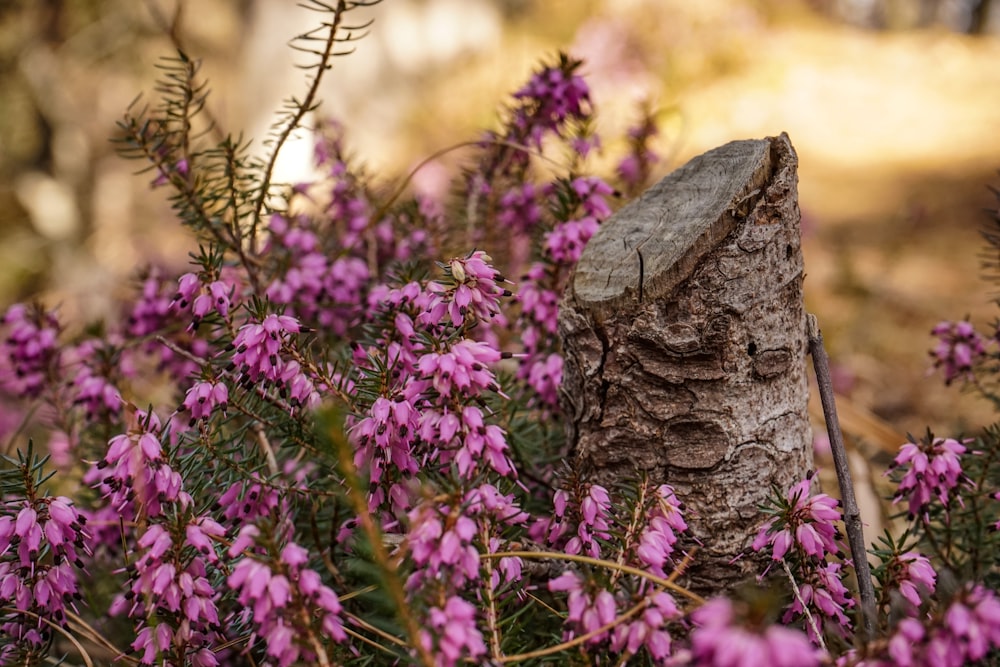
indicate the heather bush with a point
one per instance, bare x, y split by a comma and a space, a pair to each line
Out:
336, 439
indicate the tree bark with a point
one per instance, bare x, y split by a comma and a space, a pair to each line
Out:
685, 344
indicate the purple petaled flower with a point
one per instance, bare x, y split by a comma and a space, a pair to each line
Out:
487, 501
137, 470
323, 290
170, 583
593, 193
451, 635
462, 368
29, 350
440, 542
824, 593
587, 515
634, 168
666, 520
804, 522
545, 377
203, 397
199, 300
244, 503
289, 605
966, 632
42, 543
475, 291
959, 348
258, 344
587, 611
564, 244
297, 386
649, 629
93, 389
384, 439
553, 96
719, 641
914, 576
519, 209
151, 310
933, 470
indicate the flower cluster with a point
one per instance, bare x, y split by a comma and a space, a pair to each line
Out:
290, 606
135, 474
440, 543
719, 640
317, 288
958, 350
474, 295
634, 168
966, 632
43, 542
649, 630
913, 576
451, 634
578, 522
29, 350
343, 405
802, 530
203, 397
804, 523
553, 96
583, 205
665, 523
169, 579
588, 611
199, 300
930, 470
595, 612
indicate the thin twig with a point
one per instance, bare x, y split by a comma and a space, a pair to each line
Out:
265, 447
597, 562
852, 514
810, 620
293, 122
58, 628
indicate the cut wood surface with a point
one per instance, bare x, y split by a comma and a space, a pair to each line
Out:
685, 342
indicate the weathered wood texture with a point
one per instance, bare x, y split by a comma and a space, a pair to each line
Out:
684, 334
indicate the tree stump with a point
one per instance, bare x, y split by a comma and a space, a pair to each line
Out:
685, 344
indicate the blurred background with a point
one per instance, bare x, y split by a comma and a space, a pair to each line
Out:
893, 106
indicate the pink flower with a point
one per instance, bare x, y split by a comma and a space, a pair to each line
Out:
475, 291
959, 348
451, 634
553, 96
258, 344
203, 397
29, 350
440, 542
135, 463
279, 596
916, 576
649, 630
932, 470
666, 520
804, 521
718, 641
583, 519
586, 611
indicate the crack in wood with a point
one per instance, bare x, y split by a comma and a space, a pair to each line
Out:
641, 272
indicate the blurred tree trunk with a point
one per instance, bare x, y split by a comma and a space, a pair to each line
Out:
685, 342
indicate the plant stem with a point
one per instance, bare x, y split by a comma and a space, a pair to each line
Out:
852, 514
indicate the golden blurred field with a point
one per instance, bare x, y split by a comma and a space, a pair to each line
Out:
898, 135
